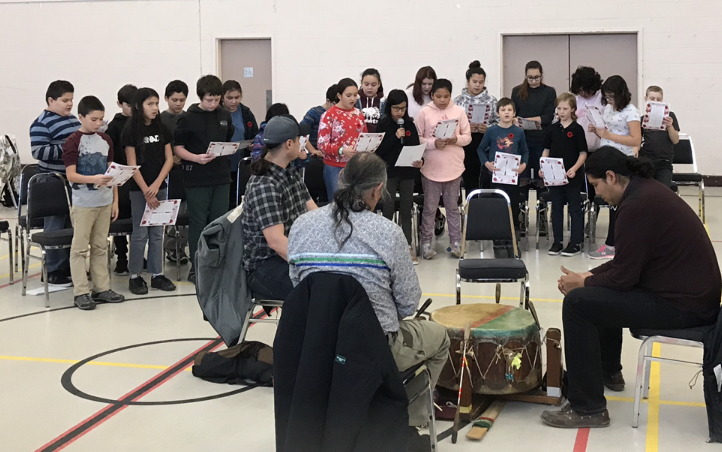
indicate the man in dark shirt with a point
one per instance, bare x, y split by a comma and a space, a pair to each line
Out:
664, 275
275, 196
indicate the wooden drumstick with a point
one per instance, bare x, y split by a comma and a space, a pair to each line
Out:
485, 421
467, 335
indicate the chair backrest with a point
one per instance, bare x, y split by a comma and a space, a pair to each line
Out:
313, 177
244, 174
488, 217
125, 210
27, 172
684, 152
175, 184
47, 196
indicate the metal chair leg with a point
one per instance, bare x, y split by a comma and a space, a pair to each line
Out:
177, 252
26, 264
10, 256
45, 277
458, 287
17, 245
701, 202
432, 414
246, 323
639, 382
647, 369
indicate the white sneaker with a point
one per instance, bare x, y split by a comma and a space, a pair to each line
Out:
455, 249
427, 252
604, 252
414, 259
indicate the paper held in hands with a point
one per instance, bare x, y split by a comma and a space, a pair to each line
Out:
410, 154
594, 115
302, 144
554, 172
479, 114
506, 166
219, 148
120, 173
446, 129
529, 125
369, 142
164, 215
654, 115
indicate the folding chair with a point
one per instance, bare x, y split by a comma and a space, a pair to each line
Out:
21, 239
5, 229
255, 303
417, 382
174, 181
684, 155
123, 226
47, 196
488, 217
244, 174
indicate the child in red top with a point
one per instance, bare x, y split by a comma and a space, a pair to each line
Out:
338, 133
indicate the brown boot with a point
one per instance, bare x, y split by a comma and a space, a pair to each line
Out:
614, 382
568, 418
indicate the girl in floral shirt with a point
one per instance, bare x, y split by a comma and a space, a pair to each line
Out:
338, 133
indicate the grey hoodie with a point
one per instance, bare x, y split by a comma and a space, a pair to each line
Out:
465, 99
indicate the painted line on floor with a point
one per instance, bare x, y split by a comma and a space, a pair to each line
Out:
661, 402
580, 444
17, 281
490, 297
652, 444
76, 361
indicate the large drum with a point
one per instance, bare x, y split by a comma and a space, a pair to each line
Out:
504, 354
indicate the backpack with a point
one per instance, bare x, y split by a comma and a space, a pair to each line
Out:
241, 364
9, 170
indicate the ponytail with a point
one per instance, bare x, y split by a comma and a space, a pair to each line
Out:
609, 158
261, 166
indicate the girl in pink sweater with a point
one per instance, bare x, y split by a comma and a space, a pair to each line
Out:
443, 165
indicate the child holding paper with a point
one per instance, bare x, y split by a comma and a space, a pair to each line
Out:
566, 140
147, 143
508, 138
658, 145
399, 178
443, 165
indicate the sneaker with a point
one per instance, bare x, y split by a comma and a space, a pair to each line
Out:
427, 252
84, 302
171, 256
107, 296
614, 382
137, 286
604, 252
192, 277
572, 250
455, 249
556, 249
162, 283
184, 259
414, 258
59, 279
568, 418
121, 268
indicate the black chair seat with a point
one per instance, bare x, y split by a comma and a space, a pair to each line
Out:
492, 269
409, 373
4, 226
419, 200
697, 333
183, 219
121, 227
544, 196
686, 177
23, 222
62, 237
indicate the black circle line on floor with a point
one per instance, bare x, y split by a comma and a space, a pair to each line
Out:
67, 377
29, 314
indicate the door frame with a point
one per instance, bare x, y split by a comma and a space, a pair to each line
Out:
217, 55
613, 31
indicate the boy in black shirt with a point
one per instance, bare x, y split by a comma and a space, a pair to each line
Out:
658, 145
566, 140
206, 178
115, 131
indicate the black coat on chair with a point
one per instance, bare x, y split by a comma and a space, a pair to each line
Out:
336, 384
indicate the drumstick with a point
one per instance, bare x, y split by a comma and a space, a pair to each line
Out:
467, 334
485, 421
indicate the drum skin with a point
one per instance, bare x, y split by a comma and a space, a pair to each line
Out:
499, 333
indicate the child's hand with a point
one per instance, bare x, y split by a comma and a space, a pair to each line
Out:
490, 166
541, 174
570, 174
417, 164
592, 128
439, 143
151, 192
481, 128
153, 203
349, 151
114, 211
400, 133
204, 158
521, 168
451, 140
668, 121
302, 154
101, 179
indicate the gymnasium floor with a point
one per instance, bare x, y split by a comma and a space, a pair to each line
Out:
132, 389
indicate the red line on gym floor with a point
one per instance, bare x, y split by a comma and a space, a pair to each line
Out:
580, 445
18, 280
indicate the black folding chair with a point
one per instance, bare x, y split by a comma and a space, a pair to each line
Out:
176, 191
47, 196
313, 178
21, 239
5, 229
684, 155
488, 217
244, 174
123, 226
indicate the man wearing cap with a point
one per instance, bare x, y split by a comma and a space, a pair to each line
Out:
275, 196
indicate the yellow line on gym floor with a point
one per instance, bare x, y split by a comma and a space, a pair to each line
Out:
653, 410
489, 297
661, 402
20, 272
91, 363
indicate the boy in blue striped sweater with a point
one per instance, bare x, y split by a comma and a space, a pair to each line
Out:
47, 136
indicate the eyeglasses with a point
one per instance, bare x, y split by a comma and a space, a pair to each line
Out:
534, 78
398, 109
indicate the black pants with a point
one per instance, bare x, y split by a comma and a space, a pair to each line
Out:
593, 319
663, 172
612, 223
472, 164
232, 204
514, 192
121, 247
271, 279
405, 188
570, 194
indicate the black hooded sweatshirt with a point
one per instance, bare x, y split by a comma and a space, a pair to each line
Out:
115, 131
371, 108
196, 130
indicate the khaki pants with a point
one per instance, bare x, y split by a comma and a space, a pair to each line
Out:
421, 341
90, 227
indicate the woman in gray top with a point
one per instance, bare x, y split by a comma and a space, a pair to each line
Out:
347, 237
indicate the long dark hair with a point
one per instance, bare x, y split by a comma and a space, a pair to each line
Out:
364, 172
261, 166
618, 88
475, 69
342, 85
421, 74
609, 158
585, 79
374, 73
137, 122
395, 97
276, 110
524, 87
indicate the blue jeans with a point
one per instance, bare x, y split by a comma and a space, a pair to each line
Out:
330, 177
57, 260
142, 235
570, 194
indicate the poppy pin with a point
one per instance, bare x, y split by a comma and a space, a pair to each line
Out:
249, 124
408, 133
511, 136
569, 134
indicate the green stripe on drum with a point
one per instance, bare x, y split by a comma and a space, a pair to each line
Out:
487, 320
